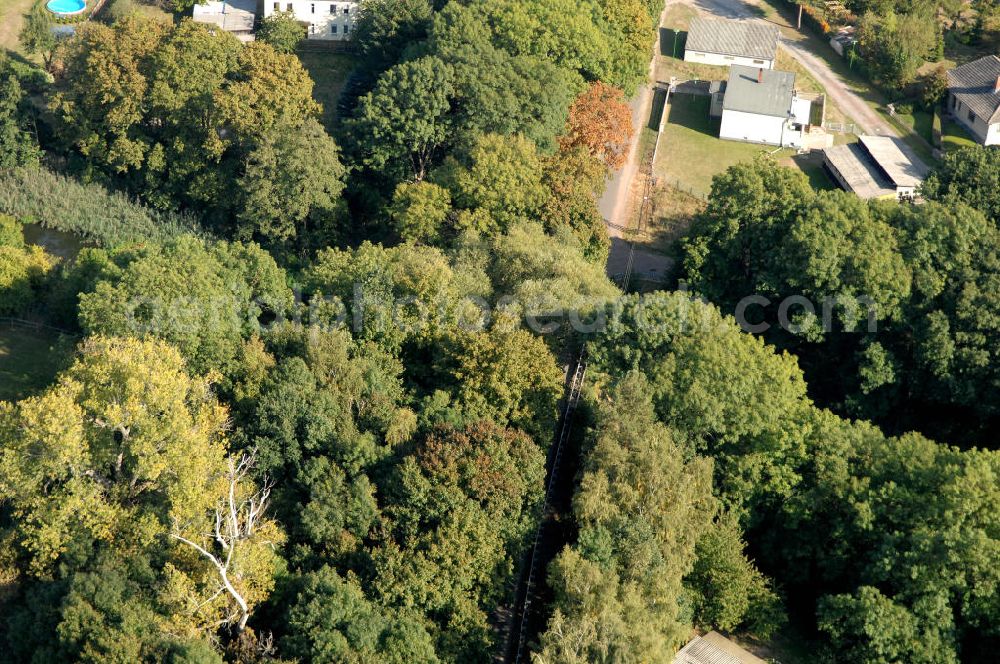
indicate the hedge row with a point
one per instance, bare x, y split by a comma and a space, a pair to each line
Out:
89, 210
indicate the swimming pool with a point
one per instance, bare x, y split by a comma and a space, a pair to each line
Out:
66, 6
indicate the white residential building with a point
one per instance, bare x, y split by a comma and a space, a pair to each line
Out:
974, 98
726, 42
761, 106
324, 20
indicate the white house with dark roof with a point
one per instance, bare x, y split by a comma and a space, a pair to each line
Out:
762, 106
974, 98
726, 42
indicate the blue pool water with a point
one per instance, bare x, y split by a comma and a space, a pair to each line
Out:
66, 6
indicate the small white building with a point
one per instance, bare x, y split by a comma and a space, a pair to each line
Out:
235, 16
727, 42
323, 20
761, 106
974, 98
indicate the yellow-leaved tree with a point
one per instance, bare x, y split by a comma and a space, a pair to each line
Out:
125, 453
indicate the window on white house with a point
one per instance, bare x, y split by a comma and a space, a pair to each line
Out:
312, 8
347, 29
288, 7
333, 29
347, 10
728, 57
333, 9
312, 28
758, 62
277, 6
972, 116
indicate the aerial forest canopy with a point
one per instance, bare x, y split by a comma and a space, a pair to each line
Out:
307, 373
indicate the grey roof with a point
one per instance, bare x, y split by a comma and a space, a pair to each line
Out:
974, 84
748, 39
896, 159
772, 95
857, 172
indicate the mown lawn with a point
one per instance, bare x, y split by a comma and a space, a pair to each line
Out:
691, 152
329, 71
29, 359
954, 136
12, 13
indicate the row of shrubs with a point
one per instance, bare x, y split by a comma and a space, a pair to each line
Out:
90, 211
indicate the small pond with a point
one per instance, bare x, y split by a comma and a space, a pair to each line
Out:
58, 243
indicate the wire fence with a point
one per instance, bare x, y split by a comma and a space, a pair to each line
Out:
675, 183
841, 127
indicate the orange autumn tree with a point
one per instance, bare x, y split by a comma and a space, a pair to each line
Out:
601, 121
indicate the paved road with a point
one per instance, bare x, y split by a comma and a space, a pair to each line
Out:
839, 91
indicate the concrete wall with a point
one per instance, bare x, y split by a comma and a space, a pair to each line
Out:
725, 60
750, 128
987, 135
326, 20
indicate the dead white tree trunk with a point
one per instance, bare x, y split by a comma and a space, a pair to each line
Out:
235, 521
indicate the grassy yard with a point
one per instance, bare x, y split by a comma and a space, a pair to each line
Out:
811, 165
691, 151
954, 136
145, 8
329, 71
673, 211
918, 121
12, 13
29, 359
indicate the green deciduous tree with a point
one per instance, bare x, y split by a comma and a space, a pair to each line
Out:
204, 299
641, 508
386, 28
398, 126
292, 185
282, 31
870, 627
460, 510
500, 182
730, 590
23, 269
970, 175
18, 146
419, 211
563, 32
37, 36
331, 619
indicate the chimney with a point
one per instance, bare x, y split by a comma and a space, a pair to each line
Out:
760, 76
996, 86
